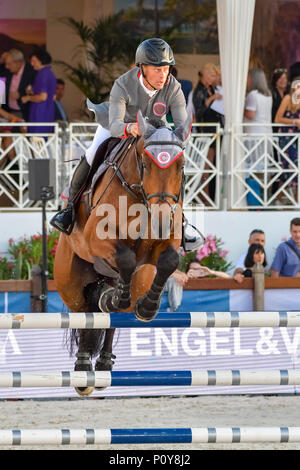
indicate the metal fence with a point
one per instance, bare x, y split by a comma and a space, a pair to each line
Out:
259, 170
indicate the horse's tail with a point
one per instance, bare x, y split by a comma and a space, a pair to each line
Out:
88, 340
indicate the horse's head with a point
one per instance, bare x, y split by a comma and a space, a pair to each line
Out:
160, 160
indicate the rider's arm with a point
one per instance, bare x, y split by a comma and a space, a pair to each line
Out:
117, 111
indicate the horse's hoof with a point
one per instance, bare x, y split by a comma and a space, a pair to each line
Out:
104, 362
84, 391
83, 363
143, 314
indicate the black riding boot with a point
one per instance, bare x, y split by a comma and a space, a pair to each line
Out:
64, 219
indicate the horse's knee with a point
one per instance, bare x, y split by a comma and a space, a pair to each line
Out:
168, 261
126, 261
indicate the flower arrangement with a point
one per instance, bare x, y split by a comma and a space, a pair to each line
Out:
211, 254
24, 253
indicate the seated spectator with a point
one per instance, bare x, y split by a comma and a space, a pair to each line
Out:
257, 236
196, 270
41, 98
287, 258
256, 254
178, 279
60, 114
19, 79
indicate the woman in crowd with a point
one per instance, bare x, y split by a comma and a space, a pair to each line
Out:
41, 98
279, 89
203, 97
178, 279
289, 113
258, 109
256, 254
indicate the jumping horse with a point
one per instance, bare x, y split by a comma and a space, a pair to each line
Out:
115, 260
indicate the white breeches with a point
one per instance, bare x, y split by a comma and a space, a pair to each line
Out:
100, 136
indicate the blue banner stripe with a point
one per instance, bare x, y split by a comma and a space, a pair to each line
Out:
128, 320
143, 378
149, 436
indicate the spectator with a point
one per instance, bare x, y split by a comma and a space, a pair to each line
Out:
196, 270
289, 113
258, 109
256, 254
287, 258
41, 98
203, 97
257, 236
20, 76
60, 114
279, 89
294, 71
186, 85
178, 279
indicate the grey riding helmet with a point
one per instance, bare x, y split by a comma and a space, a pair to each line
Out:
154, 51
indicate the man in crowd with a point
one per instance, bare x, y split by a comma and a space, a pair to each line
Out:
287, 258
60, 114
20, 78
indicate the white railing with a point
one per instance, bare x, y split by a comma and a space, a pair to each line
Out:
257, 173
264, 168
16, 148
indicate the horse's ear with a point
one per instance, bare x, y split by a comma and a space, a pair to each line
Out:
183, 131
146, 129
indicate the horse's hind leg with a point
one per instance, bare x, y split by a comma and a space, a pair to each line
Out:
147, 306
118, 297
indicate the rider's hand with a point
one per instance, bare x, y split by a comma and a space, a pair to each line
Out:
133, 129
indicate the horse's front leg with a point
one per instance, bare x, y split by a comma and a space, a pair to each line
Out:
147, 306
118, 297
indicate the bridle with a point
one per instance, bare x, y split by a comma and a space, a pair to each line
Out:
136, 190
162, 196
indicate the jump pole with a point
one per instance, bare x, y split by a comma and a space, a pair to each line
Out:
190, 378
226, 435
162, 320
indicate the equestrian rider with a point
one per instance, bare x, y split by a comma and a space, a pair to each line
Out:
149, 87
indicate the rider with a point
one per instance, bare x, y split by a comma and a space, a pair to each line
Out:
149, 87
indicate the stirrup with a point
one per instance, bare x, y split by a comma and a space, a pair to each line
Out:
191, 243
59, 227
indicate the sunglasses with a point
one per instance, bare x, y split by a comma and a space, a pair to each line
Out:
280, 71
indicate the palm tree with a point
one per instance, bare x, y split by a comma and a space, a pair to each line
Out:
106, 49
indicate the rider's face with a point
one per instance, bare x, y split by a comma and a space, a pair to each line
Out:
156, 76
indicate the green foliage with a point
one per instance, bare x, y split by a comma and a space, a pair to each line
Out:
24, 253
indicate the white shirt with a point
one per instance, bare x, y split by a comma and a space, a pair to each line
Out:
262, 105
149, 92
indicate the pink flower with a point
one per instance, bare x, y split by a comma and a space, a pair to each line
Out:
223, 253
203, 252
9, 265
283, 239
11, 241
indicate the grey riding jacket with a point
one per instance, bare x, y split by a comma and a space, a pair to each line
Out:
127, 97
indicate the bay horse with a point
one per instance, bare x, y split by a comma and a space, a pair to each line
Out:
114, 260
